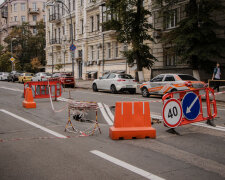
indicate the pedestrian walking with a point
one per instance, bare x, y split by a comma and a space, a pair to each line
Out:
216, 76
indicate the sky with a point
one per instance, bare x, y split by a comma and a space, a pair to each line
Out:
1, 1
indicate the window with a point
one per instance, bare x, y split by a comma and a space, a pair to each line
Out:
23, 19
158, 78
34, 18
98, 52
105, 76
169, 78
170, 58
34, 30
92, 23
43, 18
111, 76
15, 18
15, 7
22, 6
81, 3
63, 30
82, 26
185, 77
74, 30
170, 19
59, 32
116, 50
74, 4
34, 6
92, 52
43, 6
109, 50
98, 22
125, 76
63, 10
69, 4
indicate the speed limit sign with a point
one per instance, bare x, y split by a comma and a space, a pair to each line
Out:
172, 113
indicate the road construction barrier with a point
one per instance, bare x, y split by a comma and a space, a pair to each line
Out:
185, 107
40, 89
29, 101
132, 120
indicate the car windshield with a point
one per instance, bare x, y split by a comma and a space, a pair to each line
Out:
65, 75
28, 74
125, 76
47, 74
187, 77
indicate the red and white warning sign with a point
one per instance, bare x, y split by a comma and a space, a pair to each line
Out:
172, 113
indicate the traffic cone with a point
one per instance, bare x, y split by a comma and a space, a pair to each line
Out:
29, 100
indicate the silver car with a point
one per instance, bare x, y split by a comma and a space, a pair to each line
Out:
4, 76
115, 82
41, 76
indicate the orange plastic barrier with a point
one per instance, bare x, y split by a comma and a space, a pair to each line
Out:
29, 100
132, 120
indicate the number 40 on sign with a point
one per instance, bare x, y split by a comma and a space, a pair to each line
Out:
172, 113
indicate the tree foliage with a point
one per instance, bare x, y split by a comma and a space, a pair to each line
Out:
195, 40
27, 45
129, 18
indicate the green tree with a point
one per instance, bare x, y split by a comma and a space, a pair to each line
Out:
129, 18
5, 63
195, 40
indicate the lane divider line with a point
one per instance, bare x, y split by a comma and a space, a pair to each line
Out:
220, 128
127, 166
109, 112
33, 124
11, 89
105, 115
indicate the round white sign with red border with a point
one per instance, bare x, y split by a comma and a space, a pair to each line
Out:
172, 113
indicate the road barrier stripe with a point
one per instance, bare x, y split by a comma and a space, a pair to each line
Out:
127, 166
33, 124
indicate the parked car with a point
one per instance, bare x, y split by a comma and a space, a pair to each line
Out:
65, 78
4, 76
13, 76
41, 76
25, 77
115, 82
165, 83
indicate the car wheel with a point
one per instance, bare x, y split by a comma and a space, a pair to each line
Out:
113, 89
145, 92
94, 87
132, 91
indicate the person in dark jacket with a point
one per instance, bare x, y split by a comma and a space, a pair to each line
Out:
216, 76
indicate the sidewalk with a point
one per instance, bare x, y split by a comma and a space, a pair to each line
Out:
87, 84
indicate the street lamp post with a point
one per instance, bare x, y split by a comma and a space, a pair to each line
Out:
71, 30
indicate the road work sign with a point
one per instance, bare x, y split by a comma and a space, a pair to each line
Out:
191, 106
12, 59
172, 113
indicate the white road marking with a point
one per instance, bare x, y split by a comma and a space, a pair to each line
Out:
109, 112
12, 89
33, 124
105, 115
219, 128
127, 166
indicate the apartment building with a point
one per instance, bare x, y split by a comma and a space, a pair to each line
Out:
97, 51
15, 12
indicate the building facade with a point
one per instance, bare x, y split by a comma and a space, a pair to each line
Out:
15, 12
97, 51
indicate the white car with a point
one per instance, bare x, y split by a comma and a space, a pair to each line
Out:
41, 76
4, 76
115, 82
165, 83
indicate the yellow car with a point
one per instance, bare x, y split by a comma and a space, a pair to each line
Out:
25, 77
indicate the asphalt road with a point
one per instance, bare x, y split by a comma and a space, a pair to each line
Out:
33, 144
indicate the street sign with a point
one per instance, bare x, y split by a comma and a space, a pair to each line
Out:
172, 113
191, 106
12, 59
72, 47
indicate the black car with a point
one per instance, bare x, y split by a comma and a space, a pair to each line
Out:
13, 76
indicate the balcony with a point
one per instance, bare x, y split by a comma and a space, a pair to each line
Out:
54, 18
34, 10
13, 24
33, 23
55, 41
